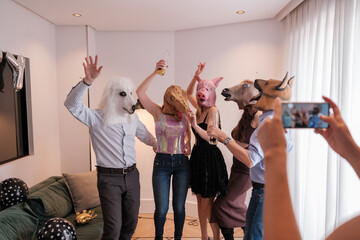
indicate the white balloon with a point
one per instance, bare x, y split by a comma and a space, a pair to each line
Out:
18, 67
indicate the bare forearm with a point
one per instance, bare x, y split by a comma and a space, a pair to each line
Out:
188, 133
354, 158
191, 87
145, 84
202, 133
239, 152
277, 200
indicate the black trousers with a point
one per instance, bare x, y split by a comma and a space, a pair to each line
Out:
120, 201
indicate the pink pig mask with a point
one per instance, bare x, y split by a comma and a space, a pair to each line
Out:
205, 91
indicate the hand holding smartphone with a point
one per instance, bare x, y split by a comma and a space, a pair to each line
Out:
304, 115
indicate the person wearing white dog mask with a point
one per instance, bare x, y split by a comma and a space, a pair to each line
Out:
113, 128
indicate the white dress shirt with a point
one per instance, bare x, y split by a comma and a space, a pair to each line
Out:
114, 145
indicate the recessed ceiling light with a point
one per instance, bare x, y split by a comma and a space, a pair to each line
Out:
76, 14
240, 12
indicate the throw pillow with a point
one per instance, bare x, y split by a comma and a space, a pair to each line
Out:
83, 190
51, 201
18, 222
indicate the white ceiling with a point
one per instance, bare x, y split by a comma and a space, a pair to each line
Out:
153, 15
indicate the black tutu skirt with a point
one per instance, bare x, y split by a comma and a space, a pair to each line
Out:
208, 171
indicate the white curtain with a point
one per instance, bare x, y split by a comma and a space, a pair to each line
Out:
322, 51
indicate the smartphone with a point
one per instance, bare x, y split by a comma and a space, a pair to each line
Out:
304, 114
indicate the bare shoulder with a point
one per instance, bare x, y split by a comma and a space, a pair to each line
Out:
213, 110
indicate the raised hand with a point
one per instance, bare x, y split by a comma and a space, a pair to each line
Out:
91, 70
160, 64
200, 68
337, 135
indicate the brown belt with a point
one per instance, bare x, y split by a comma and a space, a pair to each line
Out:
115, 170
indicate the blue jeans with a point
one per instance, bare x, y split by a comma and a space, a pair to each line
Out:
254, 216
165, 166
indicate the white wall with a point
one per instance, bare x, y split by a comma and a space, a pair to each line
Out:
71, 46
236, 51
27, 34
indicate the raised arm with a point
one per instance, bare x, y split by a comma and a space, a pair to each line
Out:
190, 89
277, 194
150, 106
74, 100
339, 138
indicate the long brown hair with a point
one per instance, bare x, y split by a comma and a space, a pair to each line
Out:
238, 133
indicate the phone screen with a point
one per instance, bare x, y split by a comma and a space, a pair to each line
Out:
304, 115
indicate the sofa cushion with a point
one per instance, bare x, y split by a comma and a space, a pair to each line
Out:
51, 201
83, 190
44, 183
18, 222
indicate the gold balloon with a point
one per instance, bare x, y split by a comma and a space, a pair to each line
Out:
84, 217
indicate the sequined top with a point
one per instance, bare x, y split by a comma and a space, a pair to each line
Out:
170, 134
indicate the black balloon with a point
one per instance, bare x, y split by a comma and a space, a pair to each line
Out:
57, 229
13, 191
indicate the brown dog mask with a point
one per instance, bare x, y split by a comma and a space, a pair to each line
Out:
175, 101
269, 90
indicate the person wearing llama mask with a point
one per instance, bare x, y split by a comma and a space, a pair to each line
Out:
208, 170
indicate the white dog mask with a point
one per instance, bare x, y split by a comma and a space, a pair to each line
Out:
117, 103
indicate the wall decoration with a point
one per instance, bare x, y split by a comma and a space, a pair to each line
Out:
18, 66
15, 107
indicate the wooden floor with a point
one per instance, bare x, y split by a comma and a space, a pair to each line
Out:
146, 230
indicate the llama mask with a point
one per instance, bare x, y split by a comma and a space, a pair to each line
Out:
205, 91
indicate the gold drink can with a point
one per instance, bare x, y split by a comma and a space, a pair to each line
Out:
161, 71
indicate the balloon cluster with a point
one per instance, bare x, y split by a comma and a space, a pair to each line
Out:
13, 191
57, 229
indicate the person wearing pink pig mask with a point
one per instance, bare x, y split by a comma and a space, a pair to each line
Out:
208, 170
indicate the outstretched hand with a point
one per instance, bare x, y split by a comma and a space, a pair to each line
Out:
91, 70
337, 135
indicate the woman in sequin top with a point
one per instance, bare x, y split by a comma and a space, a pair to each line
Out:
171, 160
